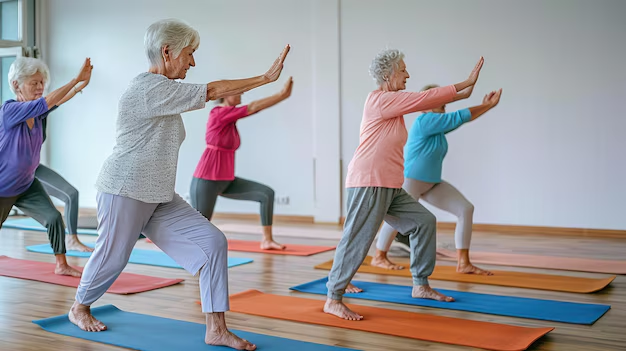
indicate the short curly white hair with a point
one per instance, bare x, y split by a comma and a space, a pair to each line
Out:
384, 64
172, 32
23, 68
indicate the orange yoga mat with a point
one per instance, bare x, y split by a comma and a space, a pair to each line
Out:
491, 336
502, 278
547, 262
291, 249
126, 283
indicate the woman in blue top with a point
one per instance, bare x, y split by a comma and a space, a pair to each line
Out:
424, 152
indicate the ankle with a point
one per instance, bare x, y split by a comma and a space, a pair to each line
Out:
215, 323
462, 256
80, 307
267, 233
381, 254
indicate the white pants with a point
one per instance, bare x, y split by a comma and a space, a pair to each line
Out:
175, 227
443, 196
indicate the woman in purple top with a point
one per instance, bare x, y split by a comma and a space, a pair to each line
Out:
21, 137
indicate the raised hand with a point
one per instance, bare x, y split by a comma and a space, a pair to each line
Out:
274, 72
286, 92
493, 98
488, 97
85, 72
473, 77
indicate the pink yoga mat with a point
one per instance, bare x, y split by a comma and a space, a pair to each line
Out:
546, 262
126, 283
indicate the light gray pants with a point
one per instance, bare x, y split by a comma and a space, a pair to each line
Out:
175, 227
443, 196
367, 208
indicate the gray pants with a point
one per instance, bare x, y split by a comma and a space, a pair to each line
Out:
204, 195
443, 196
175, 227
367, 208
36, 203
57, 186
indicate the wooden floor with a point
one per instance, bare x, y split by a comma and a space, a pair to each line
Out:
22, 301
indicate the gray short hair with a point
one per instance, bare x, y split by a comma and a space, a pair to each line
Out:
23, 68
384, 64
172, 32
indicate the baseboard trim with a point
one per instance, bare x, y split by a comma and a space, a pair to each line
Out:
256, 217
478, 227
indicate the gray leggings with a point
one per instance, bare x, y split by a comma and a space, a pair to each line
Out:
367, 208
36, 203
204, 195
57, 186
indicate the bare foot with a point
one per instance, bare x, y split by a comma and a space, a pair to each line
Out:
271, 245
81, 316
426, 292
337, 308
73, 244
65, 269
468, 268
353, 289
384, 262
228, 339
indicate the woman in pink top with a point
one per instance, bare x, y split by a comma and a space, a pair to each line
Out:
375, 178
215, 173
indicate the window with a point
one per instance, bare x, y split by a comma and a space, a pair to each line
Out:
17, 24
11, 22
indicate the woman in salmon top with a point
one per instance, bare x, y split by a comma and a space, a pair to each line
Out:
375, 177
215, 173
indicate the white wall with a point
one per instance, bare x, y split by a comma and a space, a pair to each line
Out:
238, 39
551, 154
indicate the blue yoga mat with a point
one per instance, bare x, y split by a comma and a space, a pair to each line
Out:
548, 310
31, 224
163, 334
137, 256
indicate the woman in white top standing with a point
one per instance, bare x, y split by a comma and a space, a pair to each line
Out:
136, 184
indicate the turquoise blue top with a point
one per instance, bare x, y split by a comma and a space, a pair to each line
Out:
427, 146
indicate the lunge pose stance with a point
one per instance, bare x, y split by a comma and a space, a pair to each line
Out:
424, 153
56, 186
375, 177
136, 184
215, 173
21, 138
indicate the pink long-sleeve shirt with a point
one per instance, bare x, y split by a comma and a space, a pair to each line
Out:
379, 159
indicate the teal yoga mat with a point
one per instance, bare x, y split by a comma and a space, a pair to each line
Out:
138, 256
163, 334
31, 224
548, 310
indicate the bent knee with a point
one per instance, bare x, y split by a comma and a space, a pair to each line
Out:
217, 241
429, 219
53, 218
269, 193
73, 194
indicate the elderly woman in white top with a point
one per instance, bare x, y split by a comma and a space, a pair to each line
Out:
136, 184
